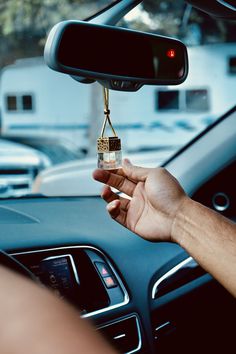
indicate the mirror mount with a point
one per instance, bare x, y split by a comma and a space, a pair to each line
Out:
120, 85
114, 13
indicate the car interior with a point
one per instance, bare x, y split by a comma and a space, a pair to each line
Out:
143, 297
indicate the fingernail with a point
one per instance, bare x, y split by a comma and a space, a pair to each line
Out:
112, 205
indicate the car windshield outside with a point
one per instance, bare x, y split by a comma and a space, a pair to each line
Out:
48, 119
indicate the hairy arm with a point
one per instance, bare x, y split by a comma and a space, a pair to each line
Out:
209, 238
159, 210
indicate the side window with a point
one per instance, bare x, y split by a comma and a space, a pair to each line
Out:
197, 100
190, 100
232, 65
11, 103
167, 100
19, 103
27, 103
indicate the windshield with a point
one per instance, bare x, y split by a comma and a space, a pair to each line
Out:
50, 122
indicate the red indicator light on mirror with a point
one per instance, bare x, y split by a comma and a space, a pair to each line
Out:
171, 53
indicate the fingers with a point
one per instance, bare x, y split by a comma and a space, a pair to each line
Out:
110, 196
124, 179
116, 180
115, 211
117, 206
135, 173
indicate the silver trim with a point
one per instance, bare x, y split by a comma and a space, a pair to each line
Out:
220, 207
226, 4
120, 336
160, 327
138, 328
169, 273
105, 309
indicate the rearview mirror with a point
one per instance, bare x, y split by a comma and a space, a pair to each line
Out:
121, 59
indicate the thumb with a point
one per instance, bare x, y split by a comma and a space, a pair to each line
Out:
135, 173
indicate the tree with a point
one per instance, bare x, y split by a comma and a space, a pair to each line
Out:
24, 25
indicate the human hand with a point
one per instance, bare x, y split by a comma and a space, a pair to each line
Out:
155, 197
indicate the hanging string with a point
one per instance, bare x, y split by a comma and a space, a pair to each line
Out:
107, 113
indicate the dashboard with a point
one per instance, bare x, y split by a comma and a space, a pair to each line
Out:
144, 297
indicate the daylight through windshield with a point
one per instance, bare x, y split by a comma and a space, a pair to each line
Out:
50, 122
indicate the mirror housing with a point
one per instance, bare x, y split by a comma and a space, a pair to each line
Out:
118, 58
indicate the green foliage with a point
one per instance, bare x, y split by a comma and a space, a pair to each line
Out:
36, 15
24, 24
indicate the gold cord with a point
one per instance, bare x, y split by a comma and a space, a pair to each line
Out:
107, 113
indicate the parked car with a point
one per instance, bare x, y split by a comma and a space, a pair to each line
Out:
19, 165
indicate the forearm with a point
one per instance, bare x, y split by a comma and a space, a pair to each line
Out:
34, 321
210, 239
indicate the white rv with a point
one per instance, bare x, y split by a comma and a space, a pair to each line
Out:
37, 101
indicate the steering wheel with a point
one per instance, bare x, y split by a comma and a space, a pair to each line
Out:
10, 262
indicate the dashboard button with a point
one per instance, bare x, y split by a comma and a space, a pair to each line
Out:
110, 282
103, 269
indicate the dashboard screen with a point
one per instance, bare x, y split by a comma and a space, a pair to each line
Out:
73, 276
57, 273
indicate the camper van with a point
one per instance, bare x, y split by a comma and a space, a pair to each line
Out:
36, 101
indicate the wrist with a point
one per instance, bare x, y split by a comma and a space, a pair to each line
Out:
180, 219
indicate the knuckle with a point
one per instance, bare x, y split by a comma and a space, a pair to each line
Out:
120, 183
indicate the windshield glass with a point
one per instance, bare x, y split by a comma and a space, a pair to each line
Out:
50, 122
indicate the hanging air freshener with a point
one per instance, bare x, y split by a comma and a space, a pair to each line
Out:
108, 148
